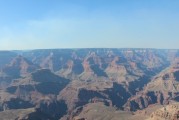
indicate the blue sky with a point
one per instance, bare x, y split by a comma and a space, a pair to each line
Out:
38, 24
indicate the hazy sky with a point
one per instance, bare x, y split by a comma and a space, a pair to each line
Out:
32, 24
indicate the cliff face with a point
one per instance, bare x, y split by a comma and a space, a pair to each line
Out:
15, 68
18, 67
163, 88
142, 101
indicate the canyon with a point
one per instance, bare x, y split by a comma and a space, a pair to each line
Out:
89, 84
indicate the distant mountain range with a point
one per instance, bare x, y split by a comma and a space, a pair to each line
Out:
89, 84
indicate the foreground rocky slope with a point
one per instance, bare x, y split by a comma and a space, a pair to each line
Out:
70, 83
169, 112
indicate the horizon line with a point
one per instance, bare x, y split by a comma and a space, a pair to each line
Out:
90, 48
